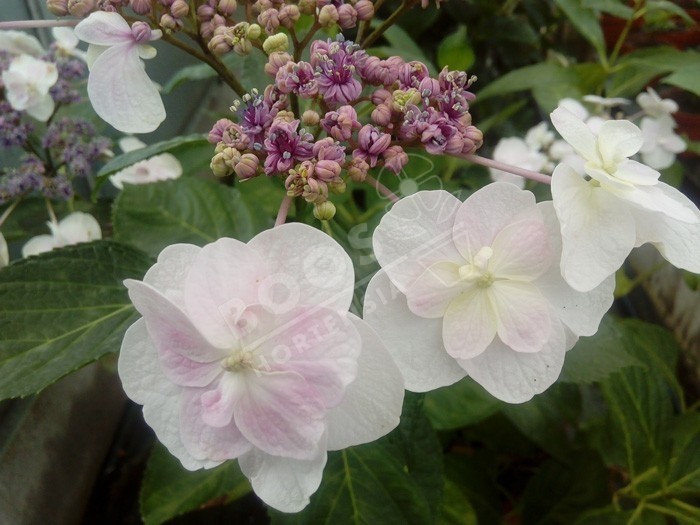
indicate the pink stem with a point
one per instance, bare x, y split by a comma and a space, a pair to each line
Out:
37, 24
382, 189
522, 172
284, 210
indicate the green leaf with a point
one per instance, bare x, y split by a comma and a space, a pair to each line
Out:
596, 357
188, 74
168, 490
395, 480
667, 7
180, 147
401, 44
687, 78
62, 310
685, 473
613, 7
459, 405
455, 51
456, 509
585, 21
189, 210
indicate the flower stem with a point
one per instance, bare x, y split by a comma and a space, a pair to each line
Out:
382, 189
298, 49
522, 172
37, 24
284, 210
405, 5
9, 210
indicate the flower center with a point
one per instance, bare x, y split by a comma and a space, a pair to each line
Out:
239, 359
477, 271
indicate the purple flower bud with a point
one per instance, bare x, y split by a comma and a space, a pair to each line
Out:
372, 143
358, 169
288, 15
380, 96
328, 149
180, 9
167, 21
347, 16
141, 32
365, 9
141, 7
473, 139
315, 191
327, 171
81, 8
275, 61
217, 131
227, 7
247, 167
381, 115
341, 123
429, 88
269, 19
219, 44
411, 73
205, 13
395, 159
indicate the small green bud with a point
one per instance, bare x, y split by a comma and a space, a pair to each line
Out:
278, 42
324, 211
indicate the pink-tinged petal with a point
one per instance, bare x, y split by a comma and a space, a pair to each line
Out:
415, 234
306, 267
618, 140
636, 173
186, 372
486, 212
219, 402
574, 131
285, 484
597, 229
515, 377
224, 278
469, 325
121, 92
281, 414
171, 330
660, 198
93, 53
204, 441
415, 343
372, 403
579, 311
319, 344
523, 315
430, 294
677, 241
169, 273
143, 381
521, 250
104, 29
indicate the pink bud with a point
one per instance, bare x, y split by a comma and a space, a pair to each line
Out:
180, 9
358, 170
381, 96
347, 16
57, 7
247, 167
141, 32
327, 170
205, 13
275, 61
365, 9
395, 158
269, 19
168, 22
219, 44
381, 115
227, 7
81, 8
288, 15
141, 7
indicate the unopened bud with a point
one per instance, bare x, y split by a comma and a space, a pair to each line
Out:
310, 118
358, 170
180, 9
288, 15
218, 165
337, 186
365, 9
167, 21
254, 32
307, 7
286, 116
227, 7
278, 42
381, 115
141, 7
247, 167
324, 211
57, 7
219, 44
347, 16
81, 8
275, 61
328, 16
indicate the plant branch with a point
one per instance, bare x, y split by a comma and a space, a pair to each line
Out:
284, 210
405, 5
515, 170
382, 189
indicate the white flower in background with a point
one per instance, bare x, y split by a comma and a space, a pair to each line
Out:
67, 42
605, 102
592, 121
159, 167
20, 43
661, 143
119, 88
73, 229
4, 254
620, 204
27, 83
539, 137
655, 106
475, 288
248, 351
516, 151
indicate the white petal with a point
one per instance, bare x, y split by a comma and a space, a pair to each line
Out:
486, 212
121, 92
38, 244
65, 37
93, 53
470, 324
515, 377
636, 173
42, 109
169, 273
308, 265
581, 312
144, 382
521, 250
658, 158
20, 43
523, 315
104, 29
660, 197
372, 403
78, 227
128, 144
433, 291
416, 233
574, 131
414, 343
619, 139
283, 483
677, 241
597, 228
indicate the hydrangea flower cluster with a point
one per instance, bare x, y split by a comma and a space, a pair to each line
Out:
540, 150
315, 155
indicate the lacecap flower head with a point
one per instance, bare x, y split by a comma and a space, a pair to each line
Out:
474, 288
248, 351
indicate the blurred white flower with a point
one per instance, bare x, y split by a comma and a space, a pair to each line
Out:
27, 83
655, 106
20, 43
67, 42
159, 167
515, 151
606, 102
73, 229
119, 88
661, 143
539, 137
4, 254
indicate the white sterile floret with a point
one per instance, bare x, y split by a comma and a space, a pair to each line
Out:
516, 151
474, 288
20, 43
616, 205
655, 106
661, 143
73, 229
539, 137
67, 42
119, 88
27, 83
248, 351
164, 166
